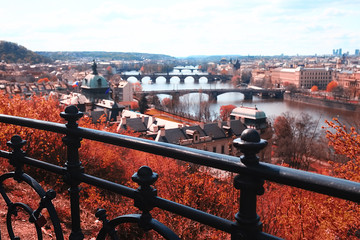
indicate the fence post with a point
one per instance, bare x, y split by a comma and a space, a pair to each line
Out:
73, 168
145, 177
17, 155
248, 224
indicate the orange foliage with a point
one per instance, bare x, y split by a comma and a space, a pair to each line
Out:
286, 212
345, 141
109, 70
225, 111
134, 105
224, 72
331, 86
137, 86
43, 80
166, 102
314, 88
235, 80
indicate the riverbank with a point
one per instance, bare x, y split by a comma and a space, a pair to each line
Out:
322, 101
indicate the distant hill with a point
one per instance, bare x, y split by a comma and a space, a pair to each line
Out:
14, 53
213, 58
105, 56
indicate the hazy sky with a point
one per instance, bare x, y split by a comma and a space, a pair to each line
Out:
184, 27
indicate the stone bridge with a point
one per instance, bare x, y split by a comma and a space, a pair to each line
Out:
196, 77
214, 93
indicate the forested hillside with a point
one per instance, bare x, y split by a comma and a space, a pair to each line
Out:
14, 53
107, 56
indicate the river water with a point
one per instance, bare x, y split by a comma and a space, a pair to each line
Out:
271, 107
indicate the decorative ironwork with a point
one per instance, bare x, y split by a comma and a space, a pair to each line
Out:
249, 180
16, 158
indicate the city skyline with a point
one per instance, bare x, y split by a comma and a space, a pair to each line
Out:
184, 28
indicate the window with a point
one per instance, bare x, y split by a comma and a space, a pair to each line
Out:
223, 149
214, 149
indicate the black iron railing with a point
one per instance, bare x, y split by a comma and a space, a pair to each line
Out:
249, 180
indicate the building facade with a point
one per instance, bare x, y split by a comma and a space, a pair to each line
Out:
302, 77
122, 91
349, 80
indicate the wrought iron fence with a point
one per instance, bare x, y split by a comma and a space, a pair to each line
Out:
249, 180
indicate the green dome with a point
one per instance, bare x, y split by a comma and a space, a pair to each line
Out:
92, 81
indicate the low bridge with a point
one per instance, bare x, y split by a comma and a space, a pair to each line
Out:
182, 77
214, 93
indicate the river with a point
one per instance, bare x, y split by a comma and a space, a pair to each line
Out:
271, 107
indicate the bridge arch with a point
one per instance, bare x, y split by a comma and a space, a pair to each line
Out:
131, 79
172, 78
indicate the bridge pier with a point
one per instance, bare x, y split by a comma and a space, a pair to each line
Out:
167, 79
182, 79
279, 95
175, 97
213, 96
265, 95
248, 96
196, 79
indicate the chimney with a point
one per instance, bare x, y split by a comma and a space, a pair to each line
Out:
142, 118
162, 132
123, 121
201, 125
219, 124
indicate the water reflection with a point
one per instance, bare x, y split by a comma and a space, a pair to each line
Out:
271, 107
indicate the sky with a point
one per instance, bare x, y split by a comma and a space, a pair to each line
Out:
183, 28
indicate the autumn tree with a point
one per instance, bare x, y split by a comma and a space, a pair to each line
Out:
338, 91
166, 102
134, 105
345, 141
294, 139
235, 80
246, 76
137, 87
331, 85
143, 104
109, 71
314, 88
225, 111
154, 100
291, 87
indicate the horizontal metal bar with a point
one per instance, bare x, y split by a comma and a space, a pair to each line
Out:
306, 180
194, 214
37, 163
45, 165
266, 236
105, 184
33, 123
4, 154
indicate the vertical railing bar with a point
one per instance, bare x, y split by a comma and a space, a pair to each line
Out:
73, 170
